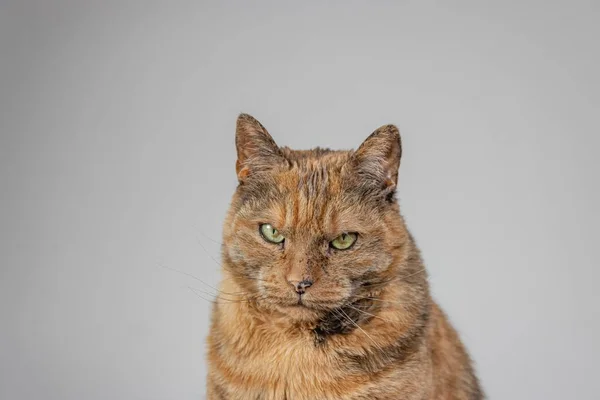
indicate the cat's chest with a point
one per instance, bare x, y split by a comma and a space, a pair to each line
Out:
272, 366
303, 371
288, 359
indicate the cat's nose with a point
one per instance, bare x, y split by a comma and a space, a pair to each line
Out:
301, 286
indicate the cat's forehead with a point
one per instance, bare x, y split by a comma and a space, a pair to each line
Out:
312, 204
308, 160
309, 194
312, 174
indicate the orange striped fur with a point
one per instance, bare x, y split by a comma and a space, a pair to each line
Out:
366, 327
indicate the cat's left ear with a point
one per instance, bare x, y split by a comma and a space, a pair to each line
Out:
256, 149
377, 160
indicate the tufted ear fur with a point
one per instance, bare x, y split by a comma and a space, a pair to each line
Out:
376, 161
256, 149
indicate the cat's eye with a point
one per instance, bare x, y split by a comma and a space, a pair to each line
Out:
344, 241
270, 234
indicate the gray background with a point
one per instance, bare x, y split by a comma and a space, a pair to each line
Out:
117, 151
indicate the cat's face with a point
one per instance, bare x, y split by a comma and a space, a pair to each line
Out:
309, 231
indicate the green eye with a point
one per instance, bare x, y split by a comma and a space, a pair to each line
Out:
271, 234
344, 241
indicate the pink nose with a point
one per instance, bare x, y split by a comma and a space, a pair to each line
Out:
301, 286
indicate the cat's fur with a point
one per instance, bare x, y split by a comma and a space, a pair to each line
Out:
368, 328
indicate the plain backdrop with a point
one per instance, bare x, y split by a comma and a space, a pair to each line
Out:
117, 163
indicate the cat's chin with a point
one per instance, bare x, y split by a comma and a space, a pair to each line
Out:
300, 313
307, 310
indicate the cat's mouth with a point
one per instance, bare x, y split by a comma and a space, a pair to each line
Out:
299, 311
308, 304
306, 307
329, 317
300, 303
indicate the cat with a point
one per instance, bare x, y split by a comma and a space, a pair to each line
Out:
324, 295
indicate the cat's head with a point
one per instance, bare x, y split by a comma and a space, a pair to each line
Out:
313, 230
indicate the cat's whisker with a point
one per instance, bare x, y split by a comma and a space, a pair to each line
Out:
218, 299
199, 280
199, 295
368, 313
211, 239
338, 314
248, 300
393, 279
196, 290
361, 329
216, 295
207, 253
413, 274
375, 299
256, 279
242, 276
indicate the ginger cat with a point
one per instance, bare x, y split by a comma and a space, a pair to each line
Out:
324, 294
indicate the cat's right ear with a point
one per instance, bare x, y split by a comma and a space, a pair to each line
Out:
377, 160
256, 149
